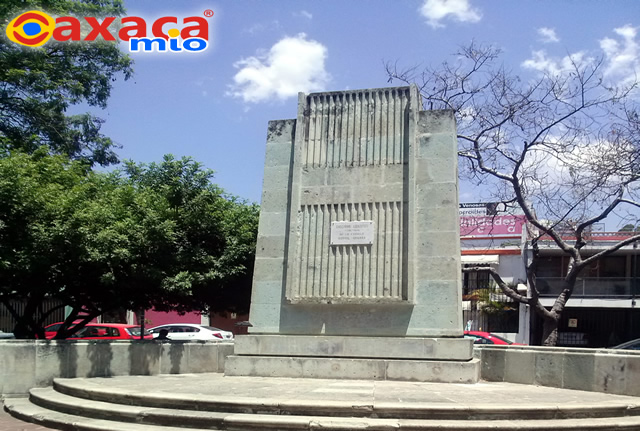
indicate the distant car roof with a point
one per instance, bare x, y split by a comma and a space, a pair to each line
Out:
180, 324
212, 328
628, 344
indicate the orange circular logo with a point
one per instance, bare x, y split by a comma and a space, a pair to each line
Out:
33, 28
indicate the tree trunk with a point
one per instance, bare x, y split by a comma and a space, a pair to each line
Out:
550, 331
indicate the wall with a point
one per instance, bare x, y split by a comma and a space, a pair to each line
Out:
28, 364
25, 364
597, 370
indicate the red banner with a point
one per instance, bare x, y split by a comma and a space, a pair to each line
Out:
492, 225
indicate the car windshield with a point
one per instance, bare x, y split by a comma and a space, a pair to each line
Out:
211, 328
500, 338
135, 331
54, 327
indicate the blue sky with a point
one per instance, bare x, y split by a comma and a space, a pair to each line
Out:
215, 105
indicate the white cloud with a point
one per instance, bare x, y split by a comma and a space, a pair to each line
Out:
622, 56
459, 10
548, 35
542, 62
292, 65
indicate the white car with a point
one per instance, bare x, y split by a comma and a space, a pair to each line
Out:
191, 331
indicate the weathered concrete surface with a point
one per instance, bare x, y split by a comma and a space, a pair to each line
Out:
597, 370
205, 401
354, 368
456, 349
25, 364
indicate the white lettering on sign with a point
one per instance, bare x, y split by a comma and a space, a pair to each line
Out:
351, 232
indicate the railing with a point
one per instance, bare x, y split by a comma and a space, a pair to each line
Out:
593, 236
7, 321
589, 287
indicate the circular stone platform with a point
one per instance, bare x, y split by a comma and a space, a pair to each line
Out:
213, 401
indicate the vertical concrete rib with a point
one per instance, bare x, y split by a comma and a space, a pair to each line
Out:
324, 129
366, 258
331, 138
311, 132
319, 252
298, 286
372, 138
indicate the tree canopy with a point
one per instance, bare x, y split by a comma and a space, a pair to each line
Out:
158, 235
39, 85
561, 146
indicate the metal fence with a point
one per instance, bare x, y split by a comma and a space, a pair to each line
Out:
597, 327
7, 322
620, 287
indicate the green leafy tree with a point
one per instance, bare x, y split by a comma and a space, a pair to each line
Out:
159, 236
216, 235
39, 85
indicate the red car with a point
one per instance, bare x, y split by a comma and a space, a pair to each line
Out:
50, 331
480, 337
102, 331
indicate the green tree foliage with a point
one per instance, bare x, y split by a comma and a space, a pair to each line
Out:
215, 248
158, 235
38, 85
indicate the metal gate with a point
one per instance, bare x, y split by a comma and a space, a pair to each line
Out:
7, 322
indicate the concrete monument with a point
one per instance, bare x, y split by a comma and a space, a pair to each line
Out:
357, 271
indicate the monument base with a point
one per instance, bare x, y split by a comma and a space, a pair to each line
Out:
445, 360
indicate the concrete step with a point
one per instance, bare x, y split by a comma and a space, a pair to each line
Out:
83, 389
49, 399
25, 410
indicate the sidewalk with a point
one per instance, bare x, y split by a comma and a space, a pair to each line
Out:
8, 423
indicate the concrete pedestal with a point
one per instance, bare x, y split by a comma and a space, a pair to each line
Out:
446, 360
357, 272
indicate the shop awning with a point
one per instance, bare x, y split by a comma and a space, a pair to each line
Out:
480, 259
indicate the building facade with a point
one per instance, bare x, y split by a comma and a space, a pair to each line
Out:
603, 310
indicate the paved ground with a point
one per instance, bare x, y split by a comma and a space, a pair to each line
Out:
7, 423
216, 386
328, 393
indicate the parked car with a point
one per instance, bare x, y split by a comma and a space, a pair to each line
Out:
480, 337
6, 335
101, 331
50, 331
192, 331
629, 345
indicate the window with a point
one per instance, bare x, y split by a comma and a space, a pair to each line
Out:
475, 280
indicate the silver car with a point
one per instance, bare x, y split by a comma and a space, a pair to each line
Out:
6, 335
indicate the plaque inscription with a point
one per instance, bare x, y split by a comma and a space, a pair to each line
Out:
351, 232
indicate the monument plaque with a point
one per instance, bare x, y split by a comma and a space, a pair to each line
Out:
352, 232
357, 271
